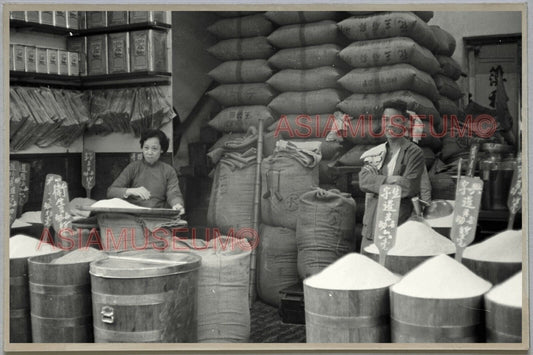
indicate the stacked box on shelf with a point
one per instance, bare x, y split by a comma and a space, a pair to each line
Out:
309, 68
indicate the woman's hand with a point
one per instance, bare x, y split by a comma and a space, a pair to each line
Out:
179, 207
141, 192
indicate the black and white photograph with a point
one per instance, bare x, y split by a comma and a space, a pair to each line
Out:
259, 177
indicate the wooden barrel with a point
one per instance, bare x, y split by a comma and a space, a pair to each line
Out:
399, 264
145, 296
19, 301
492, 271
347, 316
431, 320
60, 297
503, 323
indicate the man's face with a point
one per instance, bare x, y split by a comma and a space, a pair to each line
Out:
395, 123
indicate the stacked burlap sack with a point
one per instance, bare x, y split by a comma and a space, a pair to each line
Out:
242, 91
308, 67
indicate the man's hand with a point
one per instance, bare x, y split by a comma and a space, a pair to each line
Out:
141, 192
394, 179
179, 207
371, 169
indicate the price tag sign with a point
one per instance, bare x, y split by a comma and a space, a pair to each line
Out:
88, 174
514, 201
14, 190
59, 198
24, 185
386, 223
46, 208
467, 202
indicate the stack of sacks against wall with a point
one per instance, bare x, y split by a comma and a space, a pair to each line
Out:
441, 277
307, 78
417, 239
392, 56
243, 91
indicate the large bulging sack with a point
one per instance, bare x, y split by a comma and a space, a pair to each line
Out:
306, 57
242, 48
306, 79
372, 104
242, 71
241, 27
304, 35
231, 203
389, 25
390, 78
284, 179
276, 262
241, 118
304, 126
324, 230
447, 108
353, 156
445, 41
447, 87
283, 18
389, 51
243, 94
449, 67
328, 149
324, 100
223, 285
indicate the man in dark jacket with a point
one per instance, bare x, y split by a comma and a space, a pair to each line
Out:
398, 161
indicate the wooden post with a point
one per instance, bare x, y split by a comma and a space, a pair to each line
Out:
256, 213
24, 186
386, 223
514, 201
14, 189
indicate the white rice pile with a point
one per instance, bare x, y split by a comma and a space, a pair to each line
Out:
441, 277
115, 203
83, 255
22, 246
508, 293
417, 239
503, 247
352, 272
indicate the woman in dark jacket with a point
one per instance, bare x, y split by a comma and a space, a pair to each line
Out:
398, 161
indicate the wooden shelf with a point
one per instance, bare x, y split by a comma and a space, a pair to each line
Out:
154, 25
90, 82
25, 78
119, 79
32, 26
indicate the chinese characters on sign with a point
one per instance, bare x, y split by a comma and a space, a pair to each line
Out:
88, 171
24, 185
61, 219
46, 209
14, 189
467, 202
387, 219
